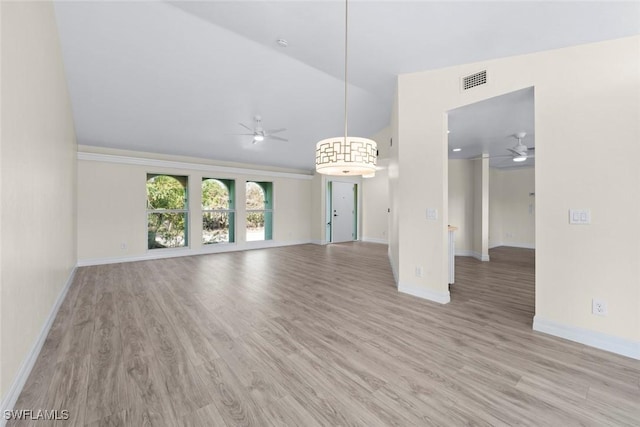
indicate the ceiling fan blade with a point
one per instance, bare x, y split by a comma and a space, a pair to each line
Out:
272, 131
515, 153
240, 134
246, 127
278, 138
492, 157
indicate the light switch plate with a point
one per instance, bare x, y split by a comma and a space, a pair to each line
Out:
579, 216
432, 214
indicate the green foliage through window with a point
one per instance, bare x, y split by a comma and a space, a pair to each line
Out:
259, 200
167, 211
218, 215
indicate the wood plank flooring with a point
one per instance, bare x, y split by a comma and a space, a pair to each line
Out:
317, 336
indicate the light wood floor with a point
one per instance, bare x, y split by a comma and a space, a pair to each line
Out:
312, 335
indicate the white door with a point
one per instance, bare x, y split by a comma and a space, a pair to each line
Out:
343, 212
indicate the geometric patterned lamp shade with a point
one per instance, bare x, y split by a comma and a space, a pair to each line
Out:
356, 156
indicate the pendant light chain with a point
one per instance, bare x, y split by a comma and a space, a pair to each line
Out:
346, 156
346, 48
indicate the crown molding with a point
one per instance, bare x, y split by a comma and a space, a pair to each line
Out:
155, 163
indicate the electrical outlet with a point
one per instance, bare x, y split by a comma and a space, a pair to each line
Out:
598, 307
123, 246
418, 271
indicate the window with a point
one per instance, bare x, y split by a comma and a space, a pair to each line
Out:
259, 211
218, 213
167, 211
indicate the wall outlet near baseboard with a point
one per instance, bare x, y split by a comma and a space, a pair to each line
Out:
419, 271
598, 307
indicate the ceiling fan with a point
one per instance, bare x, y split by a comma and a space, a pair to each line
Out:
519, 153
259, 133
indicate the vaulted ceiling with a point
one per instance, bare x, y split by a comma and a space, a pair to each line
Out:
178, 77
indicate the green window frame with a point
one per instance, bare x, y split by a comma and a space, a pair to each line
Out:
259, 210
218, 211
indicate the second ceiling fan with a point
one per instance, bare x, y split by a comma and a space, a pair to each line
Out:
519, 153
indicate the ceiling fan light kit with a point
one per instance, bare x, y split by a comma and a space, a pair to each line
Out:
346, 155
520, 150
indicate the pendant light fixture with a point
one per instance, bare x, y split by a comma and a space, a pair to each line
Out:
346, 155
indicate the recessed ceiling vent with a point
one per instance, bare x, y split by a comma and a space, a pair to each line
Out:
473, 80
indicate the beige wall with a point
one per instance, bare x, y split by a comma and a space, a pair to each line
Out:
585, 96
513, 208
495, 208
112, 206
318, 206
38, 180
481, 193
393, 172
511, 211
382, 139
461, 203
375, 201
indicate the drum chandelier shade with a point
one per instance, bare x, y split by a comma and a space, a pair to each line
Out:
346, 155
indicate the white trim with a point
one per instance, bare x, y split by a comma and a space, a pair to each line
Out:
476, 255
208, 249
420, 292
393, 268
595, 339
15, 389
520, 245
375, 240
514, 245
154, 163
483, 258
464, 252
319, 242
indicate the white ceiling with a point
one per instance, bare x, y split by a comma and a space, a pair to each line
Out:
177, 77
488, 128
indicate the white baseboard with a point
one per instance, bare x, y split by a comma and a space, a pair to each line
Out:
464, 252
319, 242
375, 240
476, 255
178, 252
595, 339
514, 245
420, 292
10, 399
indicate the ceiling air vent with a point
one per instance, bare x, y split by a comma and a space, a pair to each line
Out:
473, 80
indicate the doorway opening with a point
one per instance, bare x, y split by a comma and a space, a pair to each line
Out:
342, 211
491, 199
